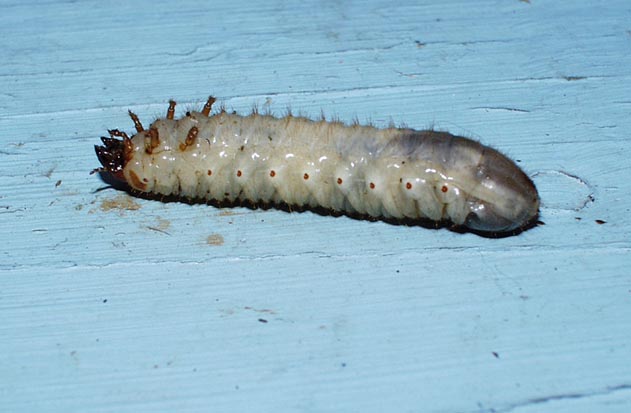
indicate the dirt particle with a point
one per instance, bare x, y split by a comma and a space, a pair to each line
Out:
163, 224
121, 203
215, 239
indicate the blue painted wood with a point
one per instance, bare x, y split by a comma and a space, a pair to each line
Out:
114, 303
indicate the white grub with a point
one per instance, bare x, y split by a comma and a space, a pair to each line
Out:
393, 173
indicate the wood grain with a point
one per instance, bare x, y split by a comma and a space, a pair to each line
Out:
114, 303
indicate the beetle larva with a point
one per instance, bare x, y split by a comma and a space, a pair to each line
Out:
393, 174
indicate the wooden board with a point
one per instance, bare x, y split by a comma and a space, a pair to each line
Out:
115, 303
